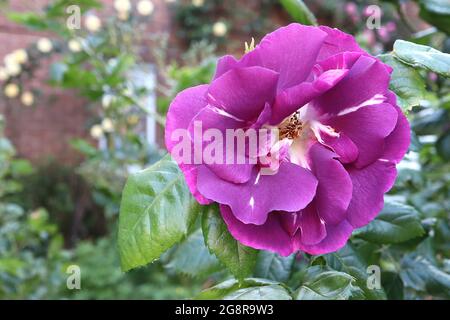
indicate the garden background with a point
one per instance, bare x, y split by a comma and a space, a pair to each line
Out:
82, 106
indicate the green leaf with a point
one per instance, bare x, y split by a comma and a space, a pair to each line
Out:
191, 257
84, 147
239, 259
58, 8
116, 71
11, 265
443, 145
429, 123
406, 82
21, 167
298, 10
421, 56
272, 266
328, 285
393, 285
156, 212
420, 274
437, 13
396, 223
31, 20
270, 292
225, 288
350, 261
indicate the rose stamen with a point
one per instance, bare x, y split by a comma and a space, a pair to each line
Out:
292, 127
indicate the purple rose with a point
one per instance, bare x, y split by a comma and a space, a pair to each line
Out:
341, 135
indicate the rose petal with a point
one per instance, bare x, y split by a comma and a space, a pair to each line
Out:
337, 236
334, 190
290, 189
336, 42
224, 64
312, 228
212, 119
243, 92
367, 127
369, 186
291, 51
268, 236
181, 111
290, 100
397, 143
367, 81
342, 145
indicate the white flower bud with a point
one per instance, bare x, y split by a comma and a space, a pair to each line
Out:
96, 131
219, 29
122, 5
74, 45
145, 7
93, 23
3, 74
44, 45
107, 125
198, 3
13, 69
11, 90
20, 56
27, 98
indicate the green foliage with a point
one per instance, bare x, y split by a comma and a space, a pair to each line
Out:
406, 82
421, 275
239, 259
55, 16
352, 262
421, 56
228, 289
192, 257
103, 279
269, 292
31, 255
299, 12
183, 78
395, 223
156, 212
325, 285
196, 22
437, 13
272, 266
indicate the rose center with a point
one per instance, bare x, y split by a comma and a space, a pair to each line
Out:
300, 130
291, 128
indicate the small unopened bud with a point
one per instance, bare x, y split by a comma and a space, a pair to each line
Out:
74, 45
96, 131
107, 125
27, 98
145, 7
122, 5
44, 45
219, 29
11, 90
93, 23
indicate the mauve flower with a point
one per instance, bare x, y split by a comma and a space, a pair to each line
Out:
352, 11
383, 33
341, 133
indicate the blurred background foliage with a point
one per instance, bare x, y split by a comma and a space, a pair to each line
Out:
53, 216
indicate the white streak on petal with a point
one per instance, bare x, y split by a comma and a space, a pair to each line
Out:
376, 99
